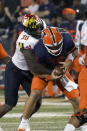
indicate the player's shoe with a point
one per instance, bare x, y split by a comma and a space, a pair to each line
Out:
1, 129
23, 129
81, 116
24, 126
85, 129
19, 129
27, 129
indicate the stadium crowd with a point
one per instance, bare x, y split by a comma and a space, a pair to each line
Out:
52, 11
69, 14
37, 36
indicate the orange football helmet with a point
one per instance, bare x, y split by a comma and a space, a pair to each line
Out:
52, 40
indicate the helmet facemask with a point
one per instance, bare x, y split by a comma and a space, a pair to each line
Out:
55, 49
36, 32
52, 40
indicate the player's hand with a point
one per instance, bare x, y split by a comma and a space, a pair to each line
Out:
13, 19
65, 66
82, 59
55, 75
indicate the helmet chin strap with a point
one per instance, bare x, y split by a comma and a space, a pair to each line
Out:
32, 33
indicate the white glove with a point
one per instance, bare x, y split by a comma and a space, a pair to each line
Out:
82, 59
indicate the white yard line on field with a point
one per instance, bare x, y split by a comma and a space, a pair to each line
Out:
41, 122
55, 103
51, 114
46, 103
49, 103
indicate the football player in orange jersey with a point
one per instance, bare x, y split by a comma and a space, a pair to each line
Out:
53, 49
80, 117
73, 26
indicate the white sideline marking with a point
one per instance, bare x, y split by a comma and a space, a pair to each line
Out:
51, 114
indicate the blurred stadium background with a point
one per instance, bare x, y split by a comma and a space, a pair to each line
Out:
55, 110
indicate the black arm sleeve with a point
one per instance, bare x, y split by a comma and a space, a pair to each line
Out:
33, 65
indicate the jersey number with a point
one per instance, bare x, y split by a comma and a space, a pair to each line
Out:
25, 37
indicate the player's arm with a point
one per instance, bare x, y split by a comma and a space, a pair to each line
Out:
3, 55
13, 42
6, 59
37, 68
83, 46
71, 52
69, 60
83, 57
33, 65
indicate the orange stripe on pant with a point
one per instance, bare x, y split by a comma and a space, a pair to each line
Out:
82, 81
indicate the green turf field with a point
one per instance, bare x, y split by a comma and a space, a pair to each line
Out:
52, 116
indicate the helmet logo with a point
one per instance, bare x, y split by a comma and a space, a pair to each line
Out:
31, 23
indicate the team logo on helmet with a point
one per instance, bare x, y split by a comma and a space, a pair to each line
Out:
29, 21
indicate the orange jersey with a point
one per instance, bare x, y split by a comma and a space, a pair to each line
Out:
3, 53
